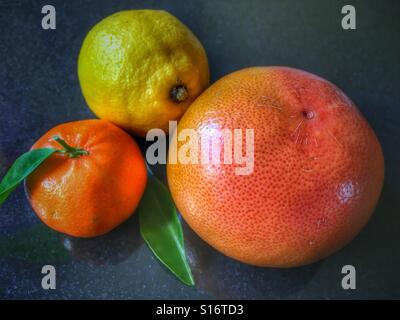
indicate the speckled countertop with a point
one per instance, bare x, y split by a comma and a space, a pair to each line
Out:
39, 89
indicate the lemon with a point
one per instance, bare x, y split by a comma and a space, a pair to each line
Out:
141, 68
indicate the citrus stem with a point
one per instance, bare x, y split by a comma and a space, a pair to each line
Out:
179, 93
72, 152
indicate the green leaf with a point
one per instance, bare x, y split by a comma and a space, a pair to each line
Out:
22, 168
162, 231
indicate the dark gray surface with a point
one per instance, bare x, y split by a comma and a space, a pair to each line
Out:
39, 89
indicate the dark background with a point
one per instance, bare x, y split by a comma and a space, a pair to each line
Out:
39, 89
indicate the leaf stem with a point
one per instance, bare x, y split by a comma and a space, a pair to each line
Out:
72, 152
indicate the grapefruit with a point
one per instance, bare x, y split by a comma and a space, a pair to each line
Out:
318, 169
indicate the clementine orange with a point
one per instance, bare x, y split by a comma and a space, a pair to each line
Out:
92, 187
318, 169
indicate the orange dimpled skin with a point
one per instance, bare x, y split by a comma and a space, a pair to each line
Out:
318, 169
89, 195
